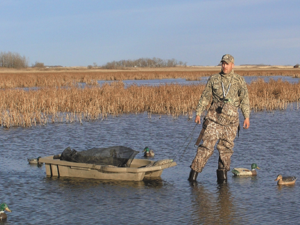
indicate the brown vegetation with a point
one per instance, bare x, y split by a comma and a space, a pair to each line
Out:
61, 78
51, 104
272, 95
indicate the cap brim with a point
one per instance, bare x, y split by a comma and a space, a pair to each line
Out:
227, 61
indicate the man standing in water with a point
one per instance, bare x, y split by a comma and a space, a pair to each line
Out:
228, 91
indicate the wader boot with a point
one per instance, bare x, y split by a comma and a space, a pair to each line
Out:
221, 172
193, 175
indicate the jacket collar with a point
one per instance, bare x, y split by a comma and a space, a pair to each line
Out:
228, 74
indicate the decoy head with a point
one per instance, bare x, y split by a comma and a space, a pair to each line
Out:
146, 149
254, 166
4, 207
279, 177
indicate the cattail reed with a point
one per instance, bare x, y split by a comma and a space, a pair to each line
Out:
70, 104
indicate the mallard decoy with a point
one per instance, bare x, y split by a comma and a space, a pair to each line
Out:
285, 180
35, 161
246, 172
3, 208
148, 152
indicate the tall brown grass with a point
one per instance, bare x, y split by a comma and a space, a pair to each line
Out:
56, 104
272, 95
68, 78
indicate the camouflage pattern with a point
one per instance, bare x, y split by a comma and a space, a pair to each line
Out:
222, 126
227, 58
237, 94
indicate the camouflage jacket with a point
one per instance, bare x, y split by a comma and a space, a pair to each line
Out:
237, 94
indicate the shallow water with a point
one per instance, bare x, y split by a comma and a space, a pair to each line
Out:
272, 142
203, 80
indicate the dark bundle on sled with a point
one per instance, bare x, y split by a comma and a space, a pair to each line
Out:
116, 156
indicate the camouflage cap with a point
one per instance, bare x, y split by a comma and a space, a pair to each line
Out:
227, 58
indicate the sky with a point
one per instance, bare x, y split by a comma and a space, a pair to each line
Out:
198, 32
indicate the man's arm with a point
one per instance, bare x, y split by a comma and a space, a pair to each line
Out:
244, 104
204, 100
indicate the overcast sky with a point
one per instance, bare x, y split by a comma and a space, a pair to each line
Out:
198, 32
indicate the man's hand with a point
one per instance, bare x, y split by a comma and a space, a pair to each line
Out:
246, 123
197, 119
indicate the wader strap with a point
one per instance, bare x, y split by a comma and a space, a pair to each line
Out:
204, 126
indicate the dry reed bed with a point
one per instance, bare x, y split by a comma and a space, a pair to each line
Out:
69, 78
27, 108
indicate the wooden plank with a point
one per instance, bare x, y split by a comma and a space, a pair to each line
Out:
54, 170
48, 170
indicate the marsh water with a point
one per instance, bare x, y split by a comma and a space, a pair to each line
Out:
272, 142
203, 80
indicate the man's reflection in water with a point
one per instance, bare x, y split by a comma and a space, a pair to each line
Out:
213, 207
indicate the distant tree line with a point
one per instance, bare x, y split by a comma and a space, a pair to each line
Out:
143, 62
13, 60
38, 65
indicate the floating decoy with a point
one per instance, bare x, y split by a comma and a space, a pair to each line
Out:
3, 208
148, 152
285, 180
246, 172
35, 161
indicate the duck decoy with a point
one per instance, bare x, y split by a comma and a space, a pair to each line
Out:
246, 172
35, 161
3, 208
148, 152
285, 180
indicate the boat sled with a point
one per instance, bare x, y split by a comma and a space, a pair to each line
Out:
139, 169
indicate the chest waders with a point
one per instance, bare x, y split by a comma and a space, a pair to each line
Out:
221, 171
217, 110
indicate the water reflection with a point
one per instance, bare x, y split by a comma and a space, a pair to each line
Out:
6, 222
214, 207
81, 183
286, 187
244, 180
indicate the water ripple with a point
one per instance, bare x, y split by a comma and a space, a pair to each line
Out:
272, 142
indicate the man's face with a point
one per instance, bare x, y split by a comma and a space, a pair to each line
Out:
227, 68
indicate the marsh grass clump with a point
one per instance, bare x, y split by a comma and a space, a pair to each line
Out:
272, 95
77, 104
